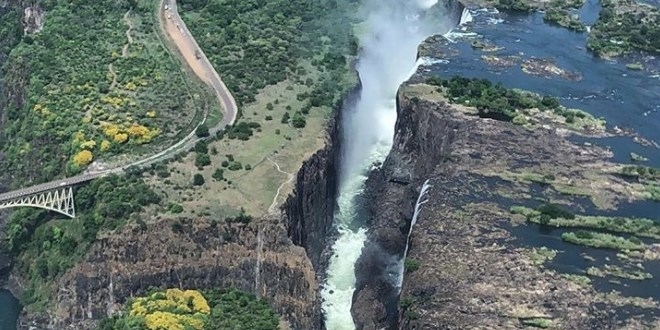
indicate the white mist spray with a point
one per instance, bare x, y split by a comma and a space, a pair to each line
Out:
394, 30
418, 205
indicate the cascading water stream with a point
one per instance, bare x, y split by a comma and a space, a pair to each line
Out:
394, 30
418, 205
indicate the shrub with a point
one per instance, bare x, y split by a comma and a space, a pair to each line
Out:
198, 179
201, 147
410, 265
218, 175
202, 131
298, 120
235, 166
202, 160
175, 208
555, 211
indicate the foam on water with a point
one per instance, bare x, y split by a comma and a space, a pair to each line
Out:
393, 31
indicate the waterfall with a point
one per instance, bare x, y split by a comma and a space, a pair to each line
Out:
466, 17
422, 194
393, 29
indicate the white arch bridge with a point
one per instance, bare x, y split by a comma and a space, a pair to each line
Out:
55, 196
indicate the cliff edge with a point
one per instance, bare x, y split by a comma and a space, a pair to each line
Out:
465, 269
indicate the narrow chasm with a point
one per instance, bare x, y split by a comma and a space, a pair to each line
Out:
360, 264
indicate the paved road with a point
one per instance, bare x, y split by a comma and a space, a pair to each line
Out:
178, 35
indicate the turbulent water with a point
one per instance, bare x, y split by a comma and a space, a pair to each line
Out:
394, 30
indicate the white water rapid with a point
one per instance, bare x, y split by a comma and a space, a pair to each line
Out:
422, 194
394, 30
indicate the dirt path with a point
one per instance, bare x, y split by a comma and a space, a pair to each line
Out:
114, 76
271, 208
124, 51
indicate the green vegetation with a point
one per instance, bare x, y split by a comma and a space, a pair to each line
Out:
79, 90
578, 279
54, 246
616, 271
541, 255
563, 13
641, 173
601, 240
648, 176
537, 322
11, 30
202, 131
514, 5
260, 43
410, 265
624, 26
192, 310
557, 216
198, 179
500, 103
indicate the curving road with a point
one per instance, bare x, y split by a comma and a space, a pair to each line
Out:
178, 35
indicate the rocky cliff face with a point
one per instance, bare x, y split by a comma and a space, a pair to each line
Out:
257, 257
278, 258
12, 24
423, 138
464, 270
310, 209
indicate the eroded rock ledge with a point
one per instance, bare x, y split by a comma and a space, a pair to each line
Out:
469, 273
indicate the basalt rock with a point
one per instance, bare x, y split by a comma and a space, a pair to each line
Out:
423, 138
465, 270
258, 258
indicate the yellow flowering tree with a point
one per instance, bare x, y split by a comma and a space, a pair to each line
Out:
173, 310
120, 137
83, 158
105, 145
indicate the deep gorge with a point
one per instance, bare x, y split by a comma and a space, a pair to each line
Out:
313, 209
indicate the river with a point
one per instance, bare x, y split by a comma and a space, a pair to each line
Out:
9, 310
625, 98
393, 31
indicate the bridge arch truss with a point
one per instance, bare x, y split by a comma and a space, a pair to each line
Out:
58, 200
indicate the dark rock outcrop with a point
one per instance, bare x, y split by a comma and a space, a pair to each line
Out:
310, 209
258, 258
468, 273
423, 138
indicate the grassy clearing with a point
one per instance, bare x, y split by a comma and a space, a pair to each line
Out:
273, 142
542, 323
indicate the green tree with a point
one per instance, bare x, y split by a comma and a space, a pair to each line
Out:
198, 179
218, 175
202, 160
202, 131
298, 120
